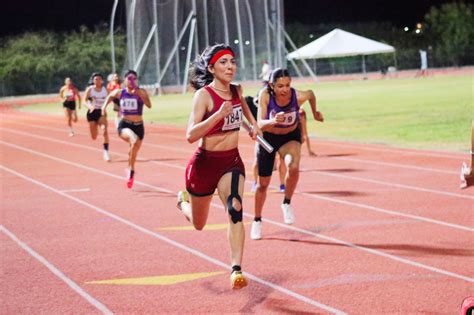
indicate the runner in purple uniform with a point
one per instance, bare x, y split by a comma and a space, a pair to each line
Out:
130, 128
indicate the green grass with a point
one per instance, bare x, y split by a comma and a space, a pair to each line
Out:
429, 113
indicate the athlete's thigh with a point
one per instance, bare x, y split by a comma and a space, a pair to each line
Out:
224, 186
93, 127
292, 148
103, 120
71, 113
200, 207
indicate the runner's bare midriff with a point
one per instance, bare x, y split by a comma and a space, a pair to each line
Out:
220, 142
133, 118
281, 131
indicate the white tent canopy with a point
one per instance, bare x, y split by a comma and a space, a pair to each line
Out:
339, 43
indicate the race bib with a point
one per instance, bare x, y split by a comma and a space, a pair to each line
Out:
234, 120
98, 101
290, 118
129, 104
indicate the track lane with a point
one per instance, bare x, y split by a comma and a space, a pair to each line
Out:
277, 230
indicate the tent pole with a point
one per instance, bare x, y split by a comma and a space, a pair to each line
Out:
395, 60
363, 67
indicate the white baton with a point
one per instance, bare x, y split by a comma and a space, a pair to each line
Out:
260, 139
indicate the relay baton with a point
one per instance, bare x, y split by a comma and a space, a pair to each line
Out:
260, 139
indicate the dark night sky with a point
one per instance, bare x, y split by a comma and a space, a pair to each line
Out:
399, 12
20, 15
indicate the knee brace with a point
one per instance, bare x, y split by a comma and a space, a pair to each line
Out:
235, 215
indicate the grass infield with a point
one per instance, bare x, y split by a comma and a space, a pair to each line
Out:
426, 113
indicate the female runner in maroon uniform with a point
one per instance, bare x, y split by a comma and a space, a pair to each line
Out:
215, 121
115, 84
69, 94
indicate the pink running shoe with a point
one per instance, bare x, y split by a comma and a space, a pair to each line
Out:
130, 177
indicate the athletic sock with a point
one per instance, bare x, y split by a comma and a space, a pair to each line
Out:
236, 268
258, 219
286, 200
132, 173
106, 146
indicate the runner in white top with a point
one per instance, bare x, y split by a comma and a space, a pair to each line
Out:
94, 99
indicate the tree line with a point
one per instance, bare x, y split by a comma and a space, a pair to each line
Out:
38, 62
446, 33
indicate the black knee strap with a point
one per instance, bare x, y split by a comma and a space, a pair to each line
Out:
235, 215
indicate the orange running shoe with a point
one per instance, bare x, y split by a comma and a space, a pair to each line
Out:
237, 280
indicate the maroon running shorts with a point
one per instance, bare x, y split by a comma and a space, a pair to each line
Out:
206, 168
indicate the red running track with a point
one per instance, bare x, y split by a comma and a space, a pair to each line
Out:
378, 230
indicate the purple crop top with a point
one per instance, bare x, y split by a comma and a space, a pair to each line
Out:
291, 110
130, 104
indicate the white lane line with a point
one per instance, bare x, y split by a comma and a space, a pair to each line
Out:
174, 243
402, 186
390, 212
76, 190
87, 147
401, 151
408, 187
376, 252
395, 165
58, 273
95, 170
366, 147
334, 200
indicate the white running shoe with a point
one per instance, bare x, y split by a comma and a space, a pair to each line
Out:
465, 170
71, 133
256, 230
254, 187
465, 175
106, 156
182, 196
288, 215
